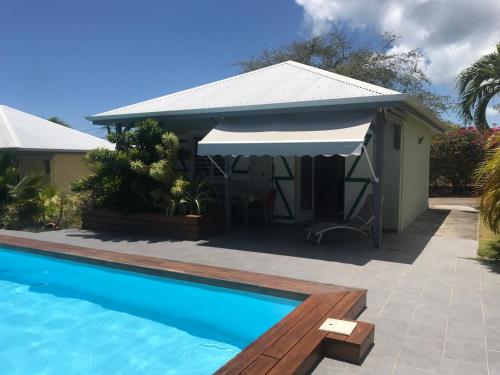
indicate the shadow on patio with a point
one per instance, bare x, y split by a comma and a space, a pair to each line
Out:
337, 246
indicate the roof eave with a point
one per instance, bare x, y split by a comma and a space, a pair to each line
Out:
374, 101
416, 108
51, 150
365, 102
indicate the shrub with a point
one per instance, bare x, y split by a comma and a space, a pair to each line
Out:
454, 157
125, 179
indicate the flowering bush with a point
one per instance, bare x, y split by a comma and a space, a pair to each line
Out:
455, 155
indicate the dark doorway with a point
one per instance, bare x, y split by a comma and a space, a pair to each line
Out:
329, 187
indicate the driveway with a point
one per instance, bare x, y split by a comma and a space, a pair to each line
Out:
436, 310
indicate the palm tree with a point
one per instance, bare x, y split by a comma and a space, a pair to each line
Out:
477, 85
488, 178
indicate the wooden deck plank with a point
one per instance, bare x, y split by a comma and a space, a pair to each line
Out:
260, 366
259, 346
305, 354
294, 335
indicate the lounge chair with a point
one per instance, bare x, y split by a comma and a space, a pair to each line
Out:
361, 223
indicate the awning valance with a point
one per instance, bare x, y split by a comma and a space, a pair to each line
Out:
314, 133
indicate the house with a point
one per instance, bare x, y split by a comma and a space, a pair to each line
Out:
322, 140
42, 146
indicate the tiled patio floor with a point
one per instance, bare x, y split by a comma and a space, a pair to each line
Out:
436, 310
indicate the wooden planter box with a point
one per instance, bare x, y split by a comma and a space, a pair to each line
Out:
188, 227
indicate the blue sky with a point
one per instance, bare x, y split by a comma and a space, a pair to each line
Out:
75, 58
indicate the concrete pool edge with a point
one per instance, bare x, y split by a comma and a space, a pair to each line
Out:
293, 345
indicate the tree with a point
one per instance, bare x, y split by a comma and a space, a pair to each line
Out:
488, 179
477, 85
371, 62
58, 121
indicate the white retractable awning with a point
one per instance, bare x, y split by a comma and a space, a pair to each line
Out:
313, 133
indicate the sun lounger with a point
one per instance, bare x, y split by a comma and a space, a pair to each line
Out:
361, 223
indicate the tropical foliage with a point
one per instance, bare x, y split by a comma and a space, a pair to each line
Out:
477, 85
197, 196
370, 61
454, 157
30, 202
141, 176
488, 180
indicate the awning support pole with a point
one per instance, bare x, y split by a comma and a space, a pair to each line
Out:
379, 131
375, 178
226, 172
217, 166
227, 193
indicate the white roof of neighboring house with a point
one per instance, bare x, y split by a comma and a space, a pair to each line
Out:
20, 130
283, 86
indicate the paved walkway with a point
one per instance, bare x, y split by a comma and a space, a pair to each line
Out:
436, 310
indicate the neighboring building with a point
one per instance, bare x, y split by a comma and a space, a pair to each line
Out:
278, 127
45, 147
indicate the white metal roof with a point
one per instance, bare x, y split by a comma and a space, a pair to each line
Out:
22, 131
319, 133
286, 82
284, 86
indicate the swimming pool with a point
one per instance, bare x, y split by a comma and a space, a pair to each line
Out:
61, 316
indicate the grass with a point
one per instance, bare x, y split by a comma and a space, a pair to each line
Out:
489, 243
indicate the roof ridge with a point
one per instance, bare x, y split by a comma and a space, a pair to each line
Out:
194, 88
329, 74
10, 129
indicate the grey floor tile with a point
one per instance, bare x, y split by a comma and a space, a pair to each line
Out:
398, 310
389, 331
493, 337
426, 323
491, 314
494, 363
465, 348
464, 367
472, 311
411, 370
460, 326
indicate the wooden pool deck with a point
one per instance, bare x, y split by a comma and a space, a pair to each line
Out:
293, 346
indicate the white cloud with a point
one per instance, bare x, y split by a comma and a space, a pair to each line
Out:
451, 33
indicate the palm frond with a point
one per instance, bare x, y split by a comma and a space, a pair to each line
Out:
476, 86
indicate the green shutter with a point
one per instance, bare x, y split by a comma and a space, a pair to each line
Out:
276, 179
362, 180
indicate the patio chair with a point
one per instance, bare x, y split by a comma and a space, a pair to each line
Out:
361, 223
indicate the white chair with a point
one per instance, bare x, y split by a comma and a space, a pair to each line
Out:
361, 223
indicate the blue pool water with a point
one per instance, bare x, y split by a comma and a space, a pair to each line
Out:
64, 317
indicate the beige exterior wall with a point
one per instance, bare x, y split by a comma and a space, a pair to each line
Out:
39, 163
391, 182
416, 142
67, 168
